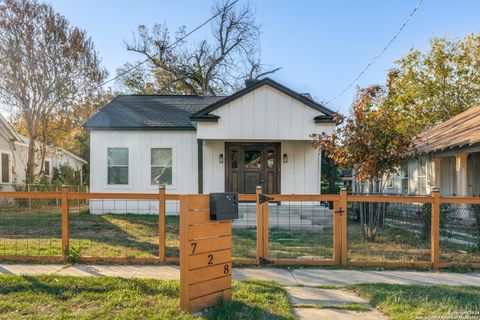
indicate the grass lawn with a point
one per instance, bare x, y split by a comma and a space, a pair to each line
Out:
401, 302
57, 297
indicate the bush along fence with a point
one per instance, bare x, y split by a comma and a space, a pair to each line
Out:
338, 229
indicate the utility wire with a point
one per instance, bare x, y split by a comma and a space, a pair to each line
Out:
378, 55
170, 46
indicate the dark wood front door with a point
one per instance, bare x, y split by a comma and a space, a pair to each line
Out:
249, 165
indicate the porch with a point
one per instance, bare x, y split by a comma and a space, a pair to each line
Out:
457, 174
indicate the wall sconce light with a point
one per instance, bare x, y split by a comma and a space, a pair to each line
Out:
285, 158
220, 158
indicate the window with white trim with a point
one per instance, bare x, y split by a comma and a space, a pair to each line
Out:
404, 173
118, 166
47, 167
161, 162
5, 168
390, 182
422, 176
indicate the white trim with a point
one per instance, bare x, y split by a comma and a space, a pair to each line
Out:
10, 173
390, 184
50, 167
174, 173
119, 186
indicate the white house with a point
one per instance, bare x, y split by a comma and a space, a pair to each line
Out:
14, 153
259, 135
447, 156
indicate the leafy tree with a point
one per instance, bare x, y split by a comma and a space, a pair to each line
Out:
425, 89
370, 143
47, 67
65, 175
208, 67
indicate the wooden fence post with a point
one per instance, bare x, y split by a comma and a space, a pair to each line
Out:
265, 229
184, 292
258, 209
435, 237
337, 233
161, 223
65, 226
344, 236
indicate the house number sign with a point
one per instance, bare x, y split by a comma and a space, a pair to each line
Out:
205, 255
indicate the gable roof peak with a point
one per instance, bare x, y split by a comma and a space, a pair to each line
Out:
255, 84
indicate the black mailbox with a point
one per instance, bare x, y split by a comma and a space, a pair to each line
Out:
224, 206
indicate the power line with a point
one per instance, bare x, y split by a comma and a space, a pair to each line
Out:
170, 46
378, 55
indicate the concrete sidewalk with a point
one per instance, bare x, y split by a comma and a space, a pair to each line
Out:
297, 277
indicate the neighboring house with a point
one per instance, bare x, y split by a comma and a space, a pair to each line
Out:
259, 135
13, 157
447, 157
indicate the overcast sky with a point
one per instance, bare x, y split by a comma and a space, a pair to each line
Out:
320, 45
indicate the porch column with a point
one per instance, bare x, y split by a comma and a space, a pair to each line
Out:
461, 174
437, 172
200, 165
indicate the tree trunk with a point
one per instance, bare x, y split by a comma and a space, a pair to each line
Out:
30, 170
332, 175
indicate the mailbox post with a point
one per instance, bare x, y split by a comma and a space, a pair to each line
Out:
206, 249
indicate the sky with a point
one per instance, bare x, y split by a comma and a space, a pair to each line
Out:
321, 46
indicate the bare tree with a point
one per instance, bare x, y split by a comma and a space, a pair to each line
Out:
47, 66
208, 67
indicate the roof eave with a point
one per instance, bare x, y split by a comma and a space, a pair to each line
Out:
206, 118
143, 128
325, 119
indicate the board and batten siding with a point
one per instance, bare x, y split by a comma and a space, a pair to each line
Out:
139, 144
263, 114
300, 175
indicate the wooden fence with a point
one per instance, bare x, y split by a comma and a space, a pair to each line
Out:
339, 245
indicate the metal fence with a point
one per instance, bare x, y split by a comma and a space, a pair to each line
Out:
389, 231
430, 231
300, 230
459, 232
30, 227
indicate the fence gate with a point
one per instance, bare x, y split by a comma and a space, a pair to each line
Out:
299, 229
205, 255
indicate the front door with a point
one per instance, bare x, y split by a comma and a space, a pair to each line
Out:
249, 165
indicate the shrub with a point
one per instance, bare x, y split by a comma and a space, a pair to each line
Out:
73, 254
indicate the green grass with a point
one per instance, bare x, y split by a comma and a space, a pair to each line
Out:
402, 302
58, 297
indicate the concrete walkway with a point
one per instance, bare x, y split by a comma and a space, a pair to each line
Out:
316, 303
309, 301
297, 277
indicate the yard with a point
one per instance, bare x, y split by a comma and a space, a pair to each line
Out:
402, 302
59, 297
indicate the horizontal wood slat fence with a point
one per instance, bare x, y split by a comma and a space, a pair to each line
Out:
275, 231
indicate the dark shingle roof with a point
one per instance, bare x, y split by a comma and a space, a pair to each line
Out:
149, 112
